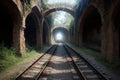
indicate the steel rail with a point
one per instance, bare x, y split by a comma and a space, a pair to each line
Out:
81, 75
46, 52
39, 76
101, 76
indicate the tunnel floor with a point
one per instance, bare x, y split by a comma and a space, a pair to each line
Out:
59, 67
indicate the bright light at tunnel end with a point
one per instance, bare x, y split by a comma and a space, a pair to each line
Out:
59, 36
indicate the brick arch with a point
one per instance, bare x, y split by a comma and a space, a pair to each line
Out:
86, 12
30, 30
10, 9
86, 20
113, 31
38, 16
33, 24
68, 10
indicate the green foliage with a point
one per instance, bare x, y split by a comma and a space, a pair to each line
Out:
29, 48
26, 6
6, 52
8, 56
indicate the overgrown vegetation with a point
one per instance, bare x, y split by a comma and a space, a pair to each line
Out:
114, 67
8, 56
26, 6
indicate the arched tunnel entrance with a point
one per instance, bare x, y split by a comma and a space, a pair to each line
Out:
10, 23
60, 34
6, 31
92, 30
30, 31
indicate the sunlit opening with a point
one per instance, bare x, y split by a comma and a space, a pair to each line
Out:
57, 3
61, 18
61, 1
59, 37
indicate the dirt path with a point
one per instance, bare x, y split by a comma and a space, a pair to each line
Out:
12, 71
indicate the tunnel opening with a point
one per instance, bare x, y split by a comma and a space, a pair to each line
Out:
60, 34
6, 31
30, 31
92, 30
116, 29
11, 23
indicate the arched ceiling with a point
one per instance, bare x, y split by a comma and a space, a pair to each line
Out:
65, 9
60, 18
62, 10
48, 4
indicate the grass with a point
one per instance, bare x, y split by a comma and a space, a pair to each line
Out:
8, 56
113, 67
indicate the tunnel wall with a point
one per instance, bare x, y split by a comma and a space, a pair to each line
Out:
37, 18
35, 24
109, 37
18, 11
113, 31
89, 30
14, 13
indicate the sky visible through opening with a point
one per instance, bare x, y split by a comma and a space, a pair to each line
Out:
61, 18
70, 3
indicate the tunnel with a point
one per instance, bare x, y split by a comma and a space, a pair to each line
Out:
10, 21
6, 31
60, 34
89, 27
92, 30
30, 31
59, 21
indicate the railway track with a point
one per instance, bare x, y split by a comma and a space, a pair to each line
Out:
69, 71
35, 70
84, 69
81, 69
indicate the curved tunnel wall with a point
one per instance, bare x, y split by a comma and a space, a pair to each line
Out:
70, 11
92, 30
11, 22
89, 30
6, 31
30, 31
114, 33
33, 29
